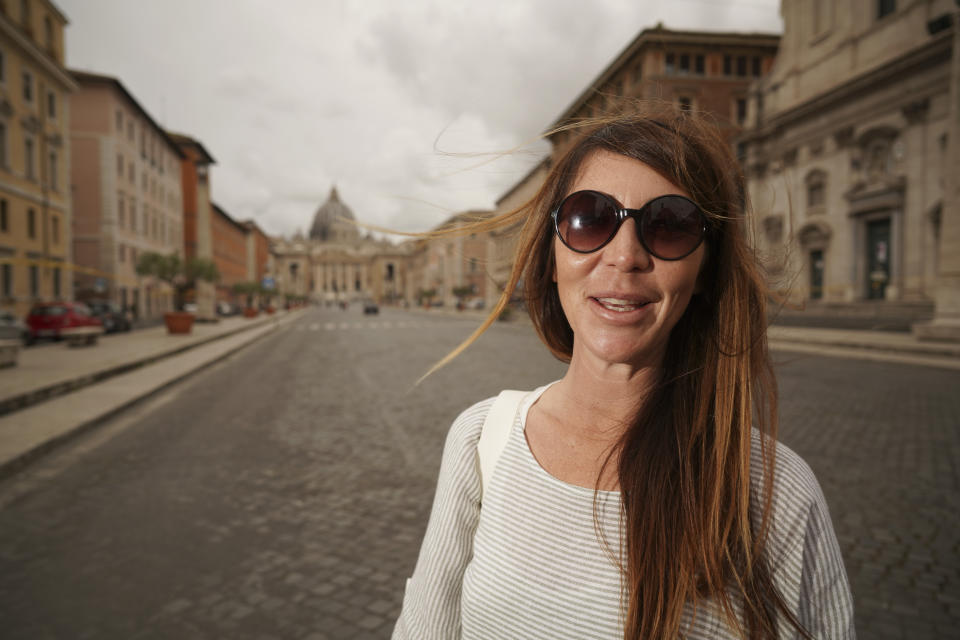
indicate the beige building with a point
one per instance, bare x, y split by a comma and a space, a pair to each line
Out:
35, 203
125, 172
337, 263
847, 150
453, 269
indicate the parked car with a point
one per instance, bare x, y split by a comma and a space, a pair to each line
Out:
227, 309
12, 327
49, 319
370, 307
111, 315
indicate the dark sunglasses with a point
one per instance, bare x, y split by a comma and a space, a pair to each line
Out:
670, 227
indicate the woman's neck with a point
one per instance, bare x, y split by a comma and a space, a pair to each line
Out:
602, 398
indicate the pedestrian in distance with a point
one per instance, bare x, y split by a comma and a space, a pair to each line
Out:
643, 495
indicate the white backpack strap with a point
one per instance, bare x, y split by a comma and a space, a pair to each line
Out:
496, 432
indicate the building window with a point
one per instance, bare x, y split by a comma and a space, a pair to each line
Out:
51, 105
48, 32
28, 159
638, 73
684, 63
56, 282
755, 66
122, 253
699, 64
55, 229
119, 121
741, 110
133, 215
3, 68
727, 65
31, 223
816, 189
27, 86
54, 183
4, 221
121, 214
741, 65
130, 172
669, 64
119, 166
130, 132
25, 13
885, 8
7, 280
3, 144
34, 281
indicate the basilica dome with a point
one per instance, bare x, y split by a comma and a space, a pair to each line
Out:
333, 221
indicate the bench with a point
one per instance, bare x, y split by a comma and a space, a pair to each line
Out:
80, 336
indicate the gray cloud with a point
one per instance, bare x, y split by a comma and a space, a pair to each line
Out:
396, 103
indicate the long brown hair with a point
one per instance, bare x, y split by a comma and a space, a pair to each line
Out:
684, 463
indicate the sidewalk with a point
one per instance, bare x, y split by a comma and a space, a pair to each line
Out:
56, 391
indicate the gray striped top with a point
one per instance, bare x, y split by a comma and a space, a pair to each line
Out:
531, 564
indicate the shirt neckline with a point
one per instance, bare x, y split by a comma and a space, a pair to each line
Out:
528, 401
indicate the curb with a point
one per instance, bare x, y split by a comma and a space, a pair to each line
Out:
35, 396
23, 459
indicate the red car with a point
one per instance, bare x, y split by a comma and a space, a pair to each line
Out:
48, 319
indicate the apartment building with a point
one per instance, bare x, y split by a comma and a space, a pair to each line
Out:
229, 253
702, 70
35, 202
197, 215
127, 196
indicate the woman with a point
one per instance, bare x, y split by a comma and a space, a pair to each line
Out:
642, 495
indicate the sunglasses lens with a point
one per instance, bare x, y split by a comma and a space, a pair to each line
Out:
672, 227
586, 220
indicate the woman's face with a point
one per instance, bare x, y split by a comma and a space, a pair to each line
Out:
620, 301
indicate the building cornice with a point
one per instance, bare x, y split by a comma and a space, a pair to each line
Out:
936, 51
37, 55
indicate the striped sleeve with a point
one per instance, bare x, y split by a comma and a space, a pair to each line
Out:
826, 604
431, 602
804, 552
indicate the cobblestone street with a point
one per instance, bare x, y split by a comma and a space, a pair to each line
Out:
283, 493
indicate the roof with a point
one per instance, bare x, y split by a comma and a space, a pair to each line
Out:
218, 209
89, 78
330, 213
184, 140
660, 35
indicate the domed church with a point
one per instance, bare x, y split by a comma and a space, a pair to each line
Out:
336, 262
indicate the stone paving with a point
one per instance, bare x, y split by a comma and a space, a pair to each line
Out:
283, 493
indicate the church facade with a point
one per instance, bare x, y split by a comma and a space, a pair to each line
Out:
337, 263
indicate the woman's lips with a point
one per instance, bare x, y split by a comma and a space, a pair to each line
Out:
620, 304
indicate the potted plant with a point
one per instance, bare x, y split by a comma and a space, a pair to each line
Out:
248, 290
180, 275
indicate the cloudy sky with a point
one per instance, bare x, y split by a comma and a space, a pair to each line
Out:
406, 106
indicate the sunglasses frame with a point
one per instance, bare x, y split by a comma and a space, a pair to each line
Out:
622, 213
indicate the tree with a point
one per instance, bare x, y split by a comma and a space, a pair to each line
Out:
247, 289
179, 274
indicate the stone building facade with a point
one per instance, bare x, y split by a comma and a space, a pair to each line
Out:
337, 263
35, 203
846, 151
127, 199
229, 253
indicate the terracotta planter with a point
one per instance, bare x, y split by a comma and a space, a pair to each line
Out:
250, 312
270, 310
178, 321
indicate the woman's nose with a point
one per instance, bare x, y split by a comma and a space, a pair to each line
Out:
625, 251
